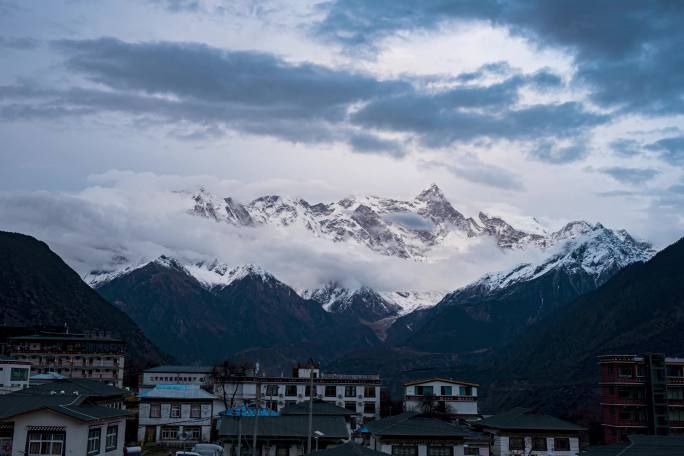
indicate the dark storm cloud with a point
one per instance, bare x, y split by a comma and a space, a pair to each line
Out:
633, 176
215, 90
629, 52
19, 43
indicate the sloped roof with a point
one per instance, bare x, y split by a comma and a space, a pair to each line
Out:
333, 427
349, 449
413, 424
177, 369
176, 392
82, 386
440, 379
88, 412
319, 408
521, 418
642, 445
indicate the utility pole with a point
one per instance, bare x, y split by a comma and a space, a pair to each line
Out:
311, 395
239, 418
256, 416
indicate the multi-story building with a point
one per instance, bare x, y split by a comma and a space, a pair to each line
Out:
453, 397
357, 393
641, 395
96, 355
14, 375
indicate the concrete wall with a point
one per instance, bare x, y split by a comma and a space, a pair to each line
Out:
76, 443
500, 447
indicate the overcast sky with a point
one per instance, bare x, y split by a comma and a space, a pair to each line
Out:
556, 109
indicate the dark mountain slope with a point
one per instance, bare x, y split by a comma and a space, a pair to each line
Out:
639, 310
38, 288
254, 313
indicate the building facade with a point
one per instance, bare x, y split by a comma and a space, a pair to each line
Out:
358, 393
176, 375
63, 418
520, 431
414, 434
14, 375
176, 415
450, 396
95, 356
641, 395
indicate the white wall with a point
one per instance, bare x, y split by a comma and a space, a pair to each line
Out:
76, 443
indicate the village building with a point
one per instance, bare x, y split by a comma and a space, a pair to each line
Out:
176, 415
14, 375
287, 434
66, 417
349, 449
97, 355
641, 395
453, 397
521, 431
414, 434
359, 394
640, 445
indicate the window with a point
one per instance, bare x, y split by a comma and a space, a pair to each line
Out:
330, 391
641, 371
282, 451
626, 371
466, 390
155, 410
175, 411
169, 433
195, 411
516, 443
471, 450
674, 371
369, 391
195, 432
446, 390
349, 391
45, 443
369, 407
112, 437
290, 390
561, 444
307, 391
350, 406
404, 450
675, 393
18, 374
94, 440
539, 443
440, 450
271, 390
423, 391
676, 414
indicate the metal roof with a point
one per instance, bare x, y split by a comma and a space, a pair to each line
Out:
440, 379
319, 408
170, 369
415, 425
286, 426
69, 337
641, 445
176, 392
349, 449
521, 418
82, 386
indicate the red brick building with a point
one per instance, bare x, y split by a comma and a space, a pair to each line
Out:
641, 395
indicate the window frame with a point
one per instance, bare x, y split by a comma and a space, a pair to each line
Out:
348, 389
175, 407
544, 447
444, 450
54, 438
397, 450
289, 388
156, 407
556, 447
167, 430
109, 435
329, 388
516, 438
197, 408
94, 438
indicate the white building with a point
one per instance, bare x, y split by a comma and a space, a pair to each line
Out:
174, 415
95, 356
521, 432
82, 418
14, 375
413, 434
452, 396
358, 393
